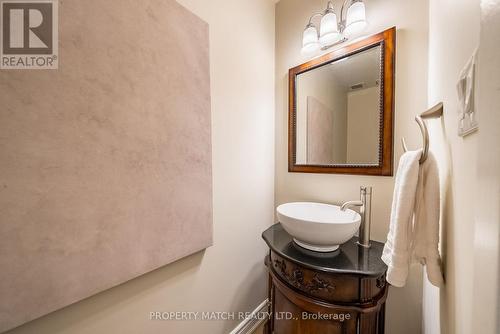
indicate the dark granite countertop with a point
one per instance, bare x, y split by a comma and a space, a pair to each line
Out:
348, 259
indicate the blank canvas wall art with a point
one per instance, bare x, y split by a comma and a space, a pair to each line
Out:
105, 163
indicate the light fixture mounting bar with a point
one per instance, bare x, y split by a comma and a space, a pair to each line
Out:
344, 39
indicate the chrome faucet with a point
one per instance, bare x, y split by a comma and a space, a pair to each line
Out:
365, 210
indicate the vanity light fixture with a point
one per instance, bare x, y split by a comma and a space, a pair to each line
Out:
333, 31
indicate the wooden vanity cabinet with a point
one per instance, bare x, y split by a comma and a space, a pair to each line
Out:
341, 292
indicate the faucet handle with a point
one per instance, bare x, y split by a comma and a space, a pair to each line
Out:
365, 190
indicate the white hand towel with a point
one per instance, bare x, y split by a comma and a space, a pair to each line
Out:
397, 249
426, 225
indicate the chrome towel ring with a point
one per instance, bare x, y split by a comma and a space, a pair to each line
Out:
434, 112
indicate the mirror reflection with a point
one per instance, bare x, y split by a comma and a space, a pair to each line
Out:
338, 111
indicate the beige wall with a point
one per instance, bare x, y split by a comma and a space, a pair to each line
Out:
411, 19
487, 209
450, 47
469, 169
230, 276
363, 125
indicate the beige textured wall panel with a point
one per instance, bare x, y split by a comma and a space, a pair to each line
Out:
105, 163
320, 132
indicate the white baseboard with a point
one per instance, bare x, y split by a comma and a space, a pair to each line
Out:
252, 322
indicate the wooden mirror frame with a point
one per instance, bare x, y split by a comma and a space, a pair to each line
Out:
387, 41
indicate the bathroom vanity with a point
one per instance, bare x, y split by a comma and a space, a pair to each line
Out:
338, 292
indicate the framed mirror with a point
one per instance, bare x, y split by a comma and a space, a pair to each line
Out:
341, 110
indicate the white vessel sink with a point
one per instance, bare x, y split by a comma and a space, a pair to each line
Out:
318, 227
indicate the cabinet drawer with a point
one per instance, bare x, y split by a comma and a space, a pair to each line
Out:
333, 288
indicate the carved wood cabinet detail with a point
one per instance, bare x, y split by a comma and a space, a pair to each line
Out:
342, 293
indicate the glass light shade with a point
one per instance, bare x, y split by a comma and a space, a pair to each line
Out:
329, 33
310, 35
356, 19
310, 42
